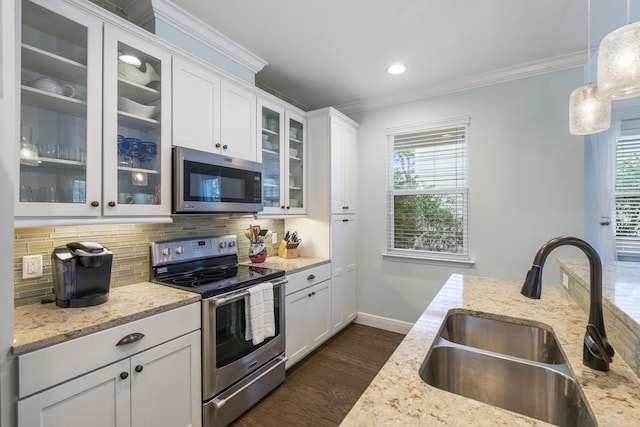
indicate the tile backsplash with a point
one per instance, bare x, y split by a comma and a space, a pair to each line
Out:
129, 244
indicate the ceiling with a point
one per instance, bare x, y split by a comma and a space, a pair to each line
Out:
336, 52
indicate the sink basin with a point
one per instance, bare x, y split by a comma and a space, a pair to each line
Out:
524, 387
503, 336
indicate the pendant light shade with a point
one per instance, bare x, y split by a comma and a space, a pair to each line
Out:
619, 63
588, 113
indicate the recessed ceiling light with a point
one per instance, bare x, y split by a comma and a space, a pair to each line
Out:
396, 69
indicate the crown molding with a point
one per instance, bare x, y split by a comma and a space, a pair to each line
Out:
502, 75
170, 13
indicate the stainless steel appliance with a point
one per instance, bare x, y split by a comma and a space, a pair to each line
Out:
81, 274
236, 373
208, 182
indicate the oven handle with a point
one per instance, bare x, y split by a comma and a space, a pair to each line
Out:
223, 300
218, 403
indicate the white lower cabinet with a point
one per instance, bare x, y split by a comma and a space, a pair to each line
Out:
157, 385
308, 311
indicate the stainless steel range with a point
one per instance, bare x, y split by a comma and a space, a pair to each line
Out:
237, 369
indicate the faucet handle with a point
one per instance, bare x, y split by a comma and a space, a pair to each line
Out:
598, 345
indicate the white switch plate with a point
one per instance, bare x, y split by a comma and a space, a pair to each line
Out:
565, 280
274, 237
31, 266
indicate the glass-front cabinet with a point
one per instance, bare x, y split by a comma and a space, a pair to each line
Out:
283, 178
61, 111
136, 136
95, 117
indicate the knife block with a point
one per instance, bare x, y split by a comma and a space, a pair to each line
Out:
283, 252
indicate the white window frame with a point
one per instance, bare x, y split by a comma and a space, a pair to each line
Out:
462, 258
627, 248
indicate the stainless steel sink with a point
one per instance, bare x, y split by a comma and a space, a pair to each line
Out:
510, 364
525, 388
503, 336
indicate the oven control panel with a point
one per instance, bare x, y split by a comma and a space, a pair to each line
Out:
181, 250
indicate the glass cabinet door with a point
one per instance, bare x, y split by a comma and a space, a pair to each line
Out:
60, 111
272, 128
137, 146
296, 202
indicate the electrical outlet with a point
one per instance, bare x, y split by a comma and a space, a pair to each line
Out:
31, 266
274, 238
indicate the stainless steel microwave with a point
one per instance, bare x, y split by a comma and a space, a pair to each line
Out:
205, 182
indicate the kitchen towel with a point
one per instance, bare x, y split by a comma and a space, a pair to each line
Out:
259, 317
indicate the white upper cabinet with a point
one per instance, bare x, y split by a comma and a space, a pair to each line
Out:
60, 111
343, 167
95, 132
212, 114
137, 126
238, 122
196, 106
283, 154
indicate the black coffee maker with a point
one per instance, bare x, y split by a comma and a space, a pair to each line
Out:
81, 274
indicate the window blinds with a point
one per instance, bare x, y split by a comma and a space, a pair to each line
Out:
628, 196
428, 191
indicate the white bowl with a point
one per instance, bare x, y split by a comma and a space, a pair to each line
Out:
137, 109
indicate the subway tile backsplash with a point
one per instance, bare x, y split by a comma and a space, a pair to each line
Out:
129, 244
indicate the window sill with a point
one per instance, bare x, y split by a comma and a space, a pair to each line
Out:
464, 263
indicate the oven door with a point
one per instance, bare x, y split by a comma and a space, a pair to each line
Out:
227, 356
208, 182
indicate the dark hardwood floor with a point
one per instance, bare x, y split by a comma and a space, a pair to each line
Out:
321, 389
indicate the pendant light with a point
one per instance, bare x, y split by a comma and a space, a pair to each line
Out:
619, 61
588, 112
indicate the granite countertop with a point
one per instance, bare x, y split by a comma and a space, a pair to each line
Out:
620, 287
397, 395
290, 265
41, 325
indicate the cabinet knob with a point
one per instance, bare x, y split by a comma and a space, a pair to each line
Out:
112, 204
218, 145
281, 207
311, 277
124, 375
288, 207
95, 203
310, 294
224, 147
139, 368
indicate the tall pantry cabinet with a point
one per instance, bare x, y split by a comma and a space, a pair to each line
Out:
332, 139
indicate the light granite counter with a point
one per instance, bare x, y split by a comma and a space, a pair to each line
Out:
41, 325
290, 265
398, 397
620, 302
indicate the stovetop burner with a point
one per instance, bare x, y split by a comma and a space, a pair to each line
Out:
208, 266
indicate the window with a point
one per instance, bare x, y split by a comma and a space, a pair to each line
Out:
627, 192
428, 190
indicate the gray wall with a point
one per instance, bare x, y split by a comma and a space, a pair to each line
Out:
526, 187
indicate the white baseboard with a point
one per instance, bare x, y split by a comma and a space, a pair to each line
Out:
385, 323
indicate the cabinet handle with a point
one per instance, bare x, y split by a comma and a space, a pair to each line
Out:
345, 207
139, 368
95, 204
124, 375
131, 338
224, 147
311, 277
345, 220
112, 204
218, 145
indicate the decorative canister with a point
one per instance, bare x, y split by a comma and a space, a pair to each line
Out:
257, 252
